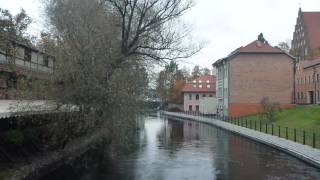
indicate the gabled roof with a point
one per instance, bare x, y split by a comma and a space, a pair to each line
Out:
310, 63
312, 25
255, 47
259, 47
193, 86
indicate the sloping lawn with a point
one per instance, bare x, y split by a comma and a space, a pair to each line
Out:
302, 119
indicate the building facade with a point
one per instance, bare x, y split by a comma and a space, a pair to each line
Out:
27, 61
308, 82
196, 90
251, 73
306, 47
306, 37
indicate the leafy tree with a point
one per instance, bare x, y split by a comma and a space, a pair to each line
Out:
167, 88
13, 28
103, 51
262, 39
205, 71
196, 72
176, 93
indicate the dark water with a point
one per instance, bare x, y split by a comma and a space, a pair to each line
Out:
176, 150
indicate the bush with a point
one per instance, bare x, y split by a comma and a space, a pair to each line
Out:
14, 137
269, 108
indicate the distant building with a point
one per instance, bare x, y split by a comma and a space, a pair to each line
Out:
308, 82
26, 61
250, 73
306, 47
306, 36
197, 89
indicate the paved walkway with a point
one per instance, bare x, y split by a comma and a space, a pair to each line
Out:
13, 108
303, 152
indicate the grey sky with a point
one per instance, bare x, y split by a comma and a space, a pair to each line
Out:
225, 24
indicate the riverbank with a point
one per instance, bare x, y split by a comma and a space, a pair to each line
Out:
303, 152
300, 119
43, 164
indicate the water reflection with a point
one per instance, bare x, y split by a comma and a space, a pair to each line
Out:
173, 149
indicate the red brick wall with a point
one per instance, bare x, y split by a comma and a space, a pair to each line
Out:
306, 86
254, 76
244, 109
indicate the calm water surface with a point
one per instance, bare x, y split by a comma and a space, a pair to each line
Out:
167, 149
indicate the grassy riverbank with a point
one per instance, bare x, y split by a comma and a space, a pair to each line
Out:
301, 118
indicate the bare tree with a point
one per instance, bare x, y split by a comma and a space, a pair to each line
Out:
149, 29
285, 46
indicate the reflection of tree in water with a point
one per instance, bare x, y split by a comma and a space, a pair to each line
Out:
171, 135
101, 162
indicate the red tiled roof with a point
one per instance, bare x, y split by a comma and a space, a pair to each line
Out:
312, 25
310, 63
189, 86
254, 47
258, 46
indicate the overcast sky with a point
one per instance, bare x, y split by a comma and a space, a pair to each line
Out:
224, 24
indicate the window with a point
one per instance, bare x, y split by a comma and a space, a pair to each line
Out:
203, 95
208, 81
194, 81
298, 95
200, 81
197, 96
27, 54
318, 78
190, 96
200, 85
301, 95
194, 85
190, 108
46, 60
309, 80
210, 95
208, 86
197, 107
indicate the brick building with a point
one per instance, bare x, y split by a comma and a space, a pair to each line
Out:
196, 90
306, 36
250, 73
27, 61
308, 82
306, 46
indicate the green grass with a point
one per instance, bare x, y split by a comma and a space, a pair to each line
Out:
301, 118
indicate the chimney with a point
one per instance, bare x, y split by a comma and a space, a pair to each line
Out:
259, 44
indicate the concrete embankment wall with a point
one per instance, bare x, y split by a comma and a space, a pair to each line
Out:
303, 152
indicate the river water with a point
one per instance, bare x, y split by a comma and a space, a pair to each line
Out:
167, 149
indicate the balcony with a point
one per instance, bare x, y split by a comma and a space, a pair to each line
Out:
27, 65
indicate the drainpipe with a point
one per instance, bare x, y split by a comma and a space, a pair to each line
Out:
315, 86
294, 80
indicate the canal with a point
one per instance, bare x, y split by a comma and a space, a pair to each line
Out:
167, 149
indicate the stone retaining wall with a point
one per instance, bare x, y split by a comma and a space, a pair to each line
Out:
303, 152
